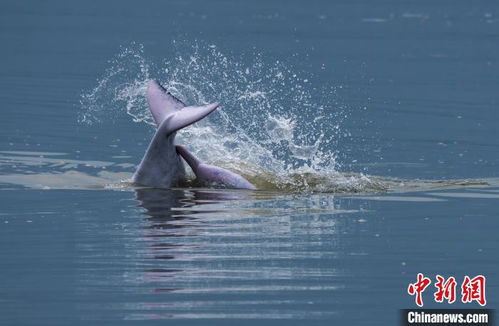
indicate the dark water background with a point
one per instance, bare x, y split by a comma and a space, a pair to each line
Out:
419, 81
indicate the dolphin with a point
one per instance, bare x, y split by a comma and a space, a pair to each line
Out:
161, 165
213, 175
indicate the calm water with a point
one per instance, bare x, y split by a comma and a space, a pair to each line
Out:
404, 95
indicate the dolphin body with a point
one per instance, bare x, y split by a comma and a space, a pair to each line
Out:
213, 175
161, 165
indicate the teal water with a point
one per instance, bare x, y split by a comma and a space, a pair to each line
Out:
372, 130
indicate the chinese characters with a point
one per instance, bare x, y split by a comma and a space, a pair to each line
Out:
472, 289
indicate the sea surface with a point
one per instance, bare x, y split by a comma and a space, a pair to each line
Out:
371, 129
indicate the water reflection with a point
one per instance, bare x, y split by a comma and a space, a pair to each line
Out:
172, 214
221, 253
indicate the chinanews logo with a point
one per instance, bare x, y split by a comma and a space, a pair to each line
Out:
471, 291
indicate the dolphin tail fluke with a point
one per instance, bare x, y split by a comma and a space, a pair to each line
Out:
186, 117
161, 102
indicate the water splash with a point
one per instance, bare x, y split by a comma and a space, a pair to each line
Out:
274, 126
124, 82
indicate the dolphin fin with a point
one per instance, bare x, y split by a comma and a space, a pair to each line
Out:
161, 102
213, 174
185, 117
192, 160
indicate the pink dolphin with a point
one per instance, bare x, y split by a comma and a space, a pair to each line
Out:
161, 165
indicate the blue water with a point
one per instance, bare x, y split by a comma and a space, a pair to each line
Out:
403, 180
